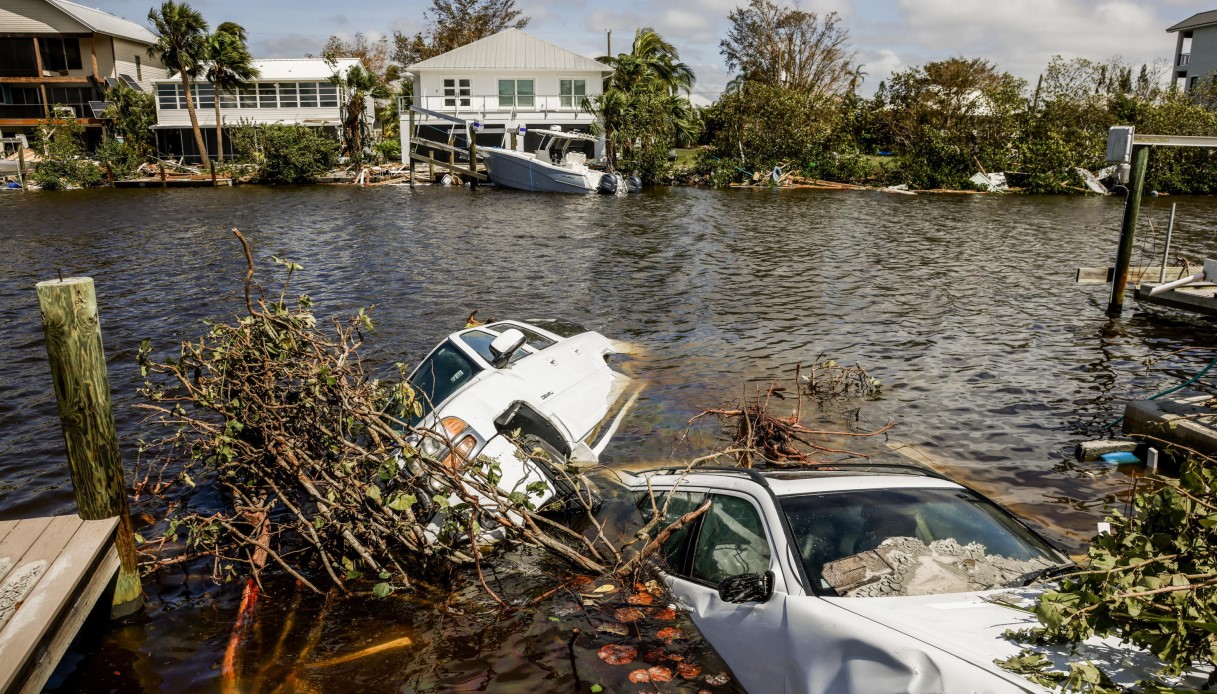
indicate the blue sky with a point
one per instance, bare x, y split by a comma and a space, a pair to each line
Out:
1019, 35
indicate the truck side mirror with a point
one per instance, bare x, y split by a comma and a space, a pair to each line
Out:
505, 345
747, 588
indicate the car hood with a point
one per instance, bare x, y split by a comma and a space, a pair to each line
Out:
970, 627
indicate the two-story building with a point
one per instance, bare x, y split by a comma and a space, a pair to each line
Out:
292, 91
55, 53
1195, 48
506, 82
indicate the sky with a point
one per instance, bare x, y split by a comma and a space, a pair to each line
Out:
1020, 36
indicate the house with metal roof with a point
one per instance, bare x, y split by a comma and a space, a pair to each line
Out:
291, 91
1195, 48
508, 83
56, 54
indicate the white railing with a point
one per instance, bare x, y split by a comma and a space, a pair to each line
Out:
490, 106
1184, 59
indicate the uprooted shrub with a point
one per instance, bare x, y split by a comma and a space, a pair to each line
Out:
314, 461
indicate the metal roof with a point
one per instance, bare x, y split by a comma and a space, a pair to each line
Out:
510, 49
102, 22
1200, 19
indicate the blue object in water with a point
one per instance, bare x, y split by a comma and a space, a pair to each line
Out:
1120, 458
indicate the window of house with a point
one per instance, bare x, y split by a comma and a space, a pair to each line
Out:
17, 58
287, 95
1191, 83
228, 99
518, 93
166, 96
327, 94
204, 96
457, 89
76, 98
308, 94
139, 69
571, 93
59, 54
247, 97
267, 96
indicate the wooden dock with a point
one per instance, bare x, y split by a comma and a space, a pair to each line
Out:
53, 571
1200, 297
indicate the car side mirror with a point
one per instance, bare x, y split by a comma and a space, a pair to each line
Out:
747, 588
505, 345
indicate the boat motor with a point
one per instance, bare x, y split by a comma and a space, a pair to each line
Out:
633, 184
608, 184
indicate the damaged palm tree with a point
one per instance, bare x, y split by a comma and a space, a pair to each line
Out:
758, 435
319, 472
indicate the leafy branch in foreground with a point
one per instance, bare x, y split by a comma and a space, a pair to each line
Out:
1151, 581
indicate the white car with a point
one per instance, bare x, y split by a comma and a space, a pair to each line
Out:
488, 389
857, 578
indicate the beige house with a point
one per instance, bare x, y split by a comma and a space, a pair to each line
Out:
55, 53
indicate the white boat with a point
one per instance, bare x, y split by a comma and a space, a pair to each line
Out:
553, 168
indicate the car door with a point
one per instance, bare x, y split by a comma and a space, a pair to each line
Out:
730, 539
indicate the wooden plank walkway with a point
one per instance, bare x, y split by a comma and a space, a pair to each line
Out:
1200, 297
52, 572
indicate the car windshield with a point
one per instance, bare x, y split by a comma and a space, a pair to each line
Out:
440, 375
911, 542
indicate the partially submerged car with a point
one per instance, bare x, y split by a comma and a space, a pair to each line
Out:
497, 392
855, 578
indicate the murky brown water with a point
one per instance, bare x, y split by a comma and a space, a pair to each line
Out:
994, 363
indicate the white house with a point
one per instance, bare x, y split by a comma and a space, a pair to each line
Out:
55, 53
505, 82
289, 91
1195, 48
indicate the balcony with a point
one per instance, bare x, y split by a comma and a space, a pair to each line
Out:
1184, 59
488, 106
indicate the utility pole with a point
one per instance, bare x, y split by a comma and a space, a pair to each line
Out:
609, 51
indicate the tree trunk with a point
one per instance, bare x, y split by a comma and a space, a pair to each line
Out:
219, 126
194, 119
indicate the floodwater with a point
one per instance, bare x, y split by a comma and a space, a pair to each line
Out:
994, 363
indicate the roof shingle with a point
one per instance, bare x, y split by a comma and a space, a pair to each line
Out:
510, 49
1196, 21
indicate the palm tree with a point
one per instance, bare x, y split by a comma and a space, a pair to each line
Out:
229, 67
181, 45
354, 87
651, 58
857, 78
642, 97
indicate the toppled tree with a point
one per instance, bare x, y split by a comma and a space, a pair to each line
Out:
314, 460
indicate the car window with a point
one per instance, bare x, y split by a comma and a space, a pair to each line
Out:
532, 338
731, 541
675, 550
479, 341
954, 525
440, 375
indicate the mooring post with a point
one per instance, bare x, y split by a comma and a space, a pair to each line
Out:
164, 181
82, 389
21, 165
1166, 248
473, 160
1128, 230
408, 148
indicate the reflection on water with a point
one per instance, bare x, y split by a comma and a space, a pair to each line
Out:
994, 363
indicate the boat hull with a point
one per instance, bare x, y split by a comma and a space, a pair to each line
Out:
524, 172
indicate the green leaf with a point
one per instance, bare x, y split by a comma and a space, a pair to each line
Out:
372, 492
402, 502
596, 689
382, 590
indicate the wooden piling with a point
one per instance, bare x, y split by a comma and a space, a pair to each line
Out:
1128, 230
164, 181
410, 149
473, 159
430, 166
213, 173
21, 166
82, 388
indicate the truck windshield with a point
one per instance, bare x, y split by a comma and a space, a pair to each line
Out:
911, 542
440, 375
